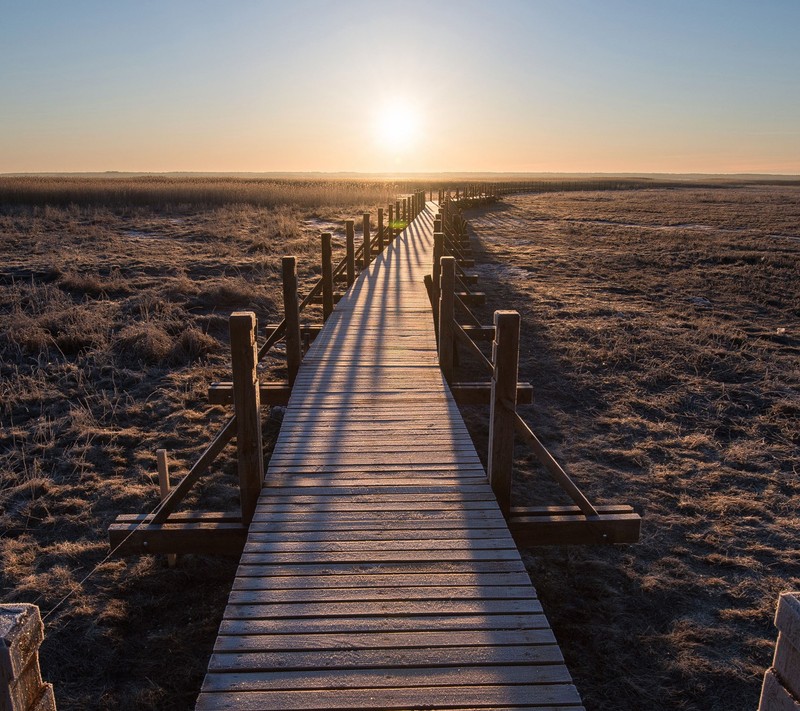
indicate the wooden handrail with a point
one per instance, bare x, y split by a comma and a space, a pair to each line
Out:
548, 461
469, 344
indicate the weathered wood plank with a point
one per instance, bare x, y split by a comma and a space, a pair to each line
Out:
387, 678
545, 696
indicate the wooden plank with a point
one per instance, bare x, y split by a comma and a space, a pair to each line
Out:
575, 529
382, 609
372, 658
201, 538
396, 579
548, 696
408, 623
387, 678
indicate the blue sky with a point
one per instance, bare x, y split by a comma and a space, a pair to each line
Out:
612, 86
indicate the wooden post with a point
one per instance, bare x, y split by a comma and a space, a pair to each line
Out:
446, 315
247, 401
782, 681
21, 685
380, 229
503, 405
351, 252
164, 487
438, 253
291, 314
390, 226
327, 277
437, 224
397, 211
367, 246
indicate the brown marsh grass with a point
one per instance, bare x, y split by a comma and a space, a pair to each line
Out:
661, 332
651, 330
112, 323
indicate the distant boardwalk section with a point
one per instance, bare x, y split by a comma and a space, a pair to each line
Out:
379, 572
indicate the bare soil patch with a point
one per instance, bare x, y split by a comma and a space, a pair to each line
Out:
661, 332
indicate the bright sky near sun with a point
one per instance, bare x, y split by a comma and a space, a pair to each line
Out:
375, 86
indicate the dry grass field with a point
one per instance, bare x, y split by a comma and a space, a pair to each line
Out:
112, 323
661, 332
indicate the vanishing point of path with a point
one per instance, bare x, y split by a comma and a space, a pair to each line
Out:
379, 572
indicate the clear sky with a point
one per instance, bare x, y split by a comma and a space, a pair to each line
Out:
377, 86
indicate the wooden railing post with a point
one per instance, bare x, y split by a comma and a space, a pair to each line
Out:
782, 681
164, 487
503, 405
380, 229
247, 403
291, 314
367, 246
351, 252
21, 685
397, 211
390, 226
446, 315
327, 276
438, 253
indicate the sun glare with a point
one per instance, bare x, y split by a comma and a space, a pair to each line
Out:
397, 127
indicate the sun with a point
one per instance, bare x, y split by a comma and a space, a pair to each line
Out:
397, 127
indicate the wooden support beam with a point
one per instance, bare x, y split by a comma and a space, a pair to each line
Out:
480, 393
351, 252
327, 276
247, 401
446, 311
213, 534
270, 393
502, 415
479, 333
472, 298
336, 296
540, 527
291, 316
556, 471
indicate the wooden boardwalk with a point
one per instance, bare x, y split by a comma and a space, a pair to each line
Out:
379, 572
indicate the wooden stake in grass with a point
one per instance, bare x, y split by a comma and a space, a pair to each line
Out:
247, 401
163, 485
291, 314
327, 276
351, 252
367, 246
503, 405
